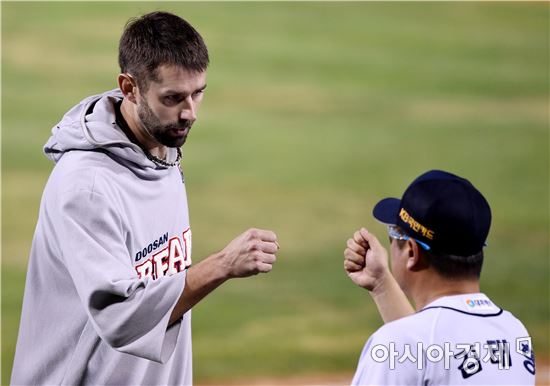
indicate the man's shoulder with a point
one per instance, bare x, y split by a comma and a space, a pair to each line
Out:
83, 170
91, 161
474, 309
443, 319
408, 328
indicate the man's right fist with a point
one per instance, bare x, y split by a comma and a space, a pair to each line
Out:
365, 260
250, 253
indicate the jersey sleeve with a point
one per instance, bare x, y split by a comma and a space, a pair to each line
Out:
128, 313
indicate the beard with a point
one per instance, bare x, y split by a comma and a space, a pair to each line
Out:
171, 134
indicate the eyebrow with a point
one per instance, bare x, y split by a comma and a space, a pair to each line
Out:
177, 92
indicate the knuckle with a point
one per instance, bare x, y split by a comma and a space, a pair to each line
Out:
253, 267
264, 267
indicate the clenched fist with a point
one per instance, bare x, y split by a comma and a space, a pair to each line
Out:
365, 260
366, 263
250, 253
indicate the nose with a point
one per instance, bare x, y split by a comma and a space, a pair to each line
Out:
189, 110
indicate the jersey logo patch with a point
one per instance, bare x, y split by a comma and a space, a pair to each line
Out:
479, 304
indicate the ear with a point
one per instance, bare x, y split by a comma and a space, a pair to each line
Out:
128, 87
415, 262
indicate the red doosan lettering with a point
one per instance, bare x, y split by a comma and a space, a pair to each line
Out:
160, 260
177, 256
145, 269
169, 261
187, 242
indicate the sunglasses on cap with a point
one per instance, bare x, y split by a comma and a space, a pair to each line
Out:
395, 233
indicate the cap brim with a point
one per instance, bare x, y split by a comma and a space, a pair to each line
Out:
386, 211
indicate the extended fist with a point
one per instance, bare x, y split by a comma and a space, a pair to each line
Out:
250, 253
365, 260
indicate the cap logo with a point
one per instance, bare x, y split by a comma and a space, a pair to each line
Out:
415, 225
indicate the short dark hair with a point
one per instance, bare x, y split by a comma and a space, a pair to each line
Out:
156, 39
450, 266
454, 266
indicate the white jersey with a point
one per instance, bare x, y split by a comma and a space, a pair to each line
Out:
455, 340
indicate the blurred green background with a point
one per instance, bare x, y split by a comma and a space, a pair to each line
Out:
313, 112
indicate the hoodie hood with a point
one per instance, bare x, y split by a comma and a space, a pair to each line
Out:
91, 126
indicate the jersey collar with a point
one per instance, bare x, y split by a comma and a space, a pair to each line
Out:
473, 303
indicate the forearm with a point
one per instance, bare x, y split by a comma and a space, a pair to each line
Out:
201, 279
250, 253
391, 300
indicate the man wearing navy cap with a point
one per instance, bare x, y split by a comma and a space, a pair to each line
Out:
457, 335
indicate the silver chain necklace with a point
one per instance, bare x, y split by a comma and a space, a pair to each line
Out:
161, 162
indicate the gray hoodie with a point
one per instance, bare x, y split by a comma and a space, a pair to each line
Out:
108, 262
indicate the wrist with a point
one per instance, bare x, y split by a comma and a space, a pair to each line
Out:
217, 269
220, 271
383, 284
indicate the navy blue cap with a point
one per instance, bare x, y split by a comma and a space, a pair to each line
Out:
442, 210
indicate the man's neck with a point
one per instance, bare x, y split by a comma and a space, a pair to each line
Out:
140, 137
432, 287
